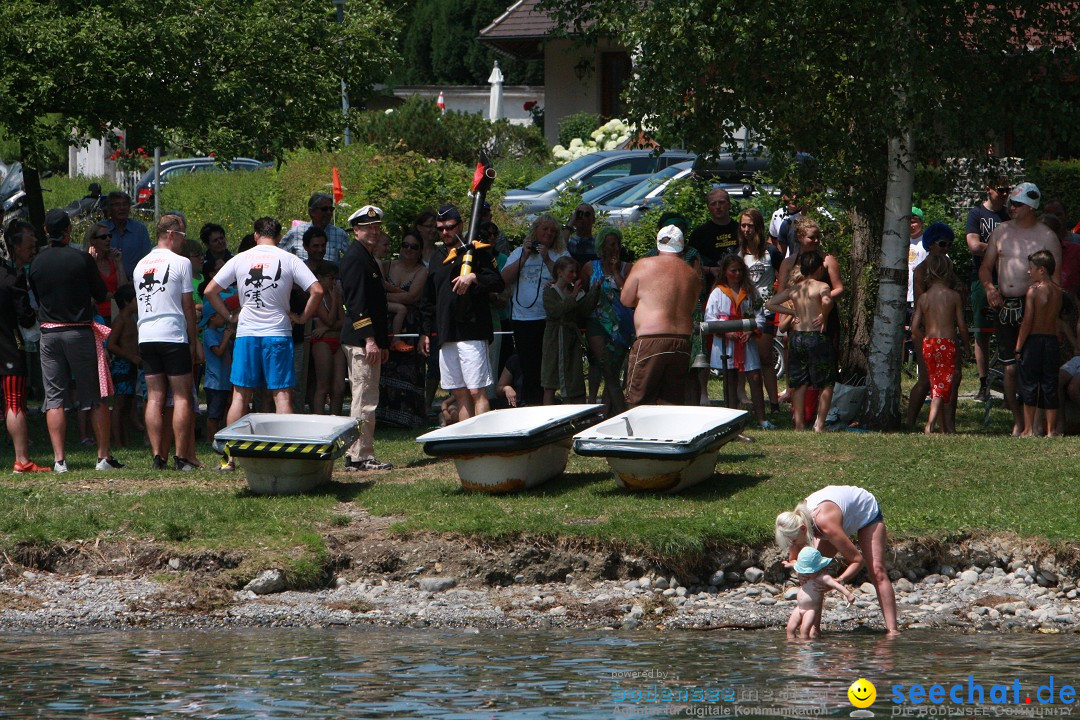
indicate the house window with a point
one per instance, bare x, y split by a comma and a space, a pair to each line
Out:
615, 72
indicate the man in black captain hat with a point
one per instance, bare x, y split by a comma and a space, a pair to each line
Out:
363, 334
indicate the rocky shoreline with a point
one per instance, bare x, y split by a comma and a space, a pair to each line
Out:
990, 584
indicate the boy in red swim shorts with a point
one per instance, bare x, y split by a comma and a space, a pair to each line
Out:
939, 313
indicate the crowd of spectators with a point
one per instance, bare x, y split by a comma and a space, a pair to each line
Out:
131, 335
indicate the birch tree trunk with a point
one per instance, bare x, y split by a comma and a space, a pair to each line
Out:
882, 411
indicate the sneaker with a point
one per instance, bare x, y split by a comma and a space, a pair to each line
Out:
30, 467
982, 394
109, 463
88, 442
60, 466
766, 425
401, 346
160, 463
180, 463
373, 464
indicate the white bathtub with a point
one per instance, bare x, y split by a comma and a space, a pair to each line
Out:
507, 450
662, 448
287, 454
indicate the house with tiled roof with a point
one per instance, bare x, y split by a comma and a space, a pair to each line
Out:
577, 77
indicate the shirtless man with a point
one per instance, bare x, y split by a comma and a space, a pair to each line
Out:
663, 291
1007, 252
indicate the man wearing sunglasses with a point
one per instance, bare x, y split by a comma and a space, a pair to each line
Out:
321, 211
981, 222
1007, 252
456, 306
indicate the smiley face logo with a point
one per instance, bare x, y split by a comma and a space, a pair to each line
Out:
862, 693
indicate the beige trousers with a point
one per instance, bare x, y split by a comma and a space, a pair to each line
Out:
364, 380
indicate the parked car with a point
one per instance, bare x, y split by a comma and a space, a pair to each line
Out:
588, 172
171, 169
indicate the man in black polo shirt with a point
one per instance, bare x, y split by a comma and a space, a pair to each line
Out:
363, 334
717, 236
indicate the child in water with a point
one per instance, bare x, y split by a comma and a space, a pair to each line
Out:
805, 620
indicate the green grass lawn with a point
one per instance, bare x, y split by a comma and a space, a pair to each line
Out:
936, 486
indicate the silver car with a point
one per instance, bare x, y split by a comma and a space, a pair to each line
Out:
588, 172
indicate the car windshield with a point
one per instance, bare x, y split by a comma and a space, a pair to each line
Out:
553, 178
611, 188
636, 194
12, 182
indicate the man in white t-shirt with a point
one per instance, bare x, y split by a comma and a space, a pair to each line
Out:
167, 342
262, 352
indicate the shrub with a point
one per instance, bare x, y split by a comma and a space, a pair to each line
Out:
402, 184
231, 199
577, 125
418, 126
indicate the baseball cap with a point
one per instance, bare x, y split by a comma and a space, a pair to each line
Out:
367, 215
449, 212
669, 240
917, 212
56, 223
1026, 193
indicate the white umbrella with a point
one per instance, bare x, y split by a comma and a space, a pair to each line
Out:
495, 107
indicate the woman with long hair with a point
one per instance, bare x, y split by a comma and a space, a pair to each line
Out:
732, 353
610, 326
98, 241
827, 519
423, 231
528, 270
762, 261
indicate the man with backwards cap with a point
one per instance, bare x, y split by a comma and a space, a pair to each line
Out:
363, 333
64, 280
662, 290
455, 305
1007, 252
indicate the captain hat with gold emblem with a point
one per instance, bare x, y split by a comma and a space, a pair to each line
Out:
367, 215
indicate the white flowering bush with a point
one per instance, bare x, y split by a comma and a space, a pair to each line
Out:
609, 136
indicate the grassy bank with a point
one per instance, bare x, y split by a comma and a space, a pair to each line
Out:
937, 486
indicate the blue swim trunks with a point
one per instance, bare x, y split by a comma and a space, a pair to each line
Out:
263, 362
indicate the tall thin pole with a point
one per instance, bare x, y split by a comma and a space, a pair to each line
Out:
157, 184
340, 5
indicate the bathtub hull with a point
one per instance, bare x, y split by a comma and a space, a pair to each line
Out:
661, 448
287, 454
510, 450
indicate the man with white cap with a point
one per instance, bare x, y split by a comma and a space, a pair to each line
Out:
1007, 253
363, 333
263, 350
663, 291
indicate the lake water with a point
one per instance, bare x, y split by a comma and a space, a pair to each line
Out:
409, 673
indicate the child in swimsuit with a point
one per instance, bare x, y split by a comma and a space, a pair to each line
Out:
805, 620
1037, 344
811, 354
939, 312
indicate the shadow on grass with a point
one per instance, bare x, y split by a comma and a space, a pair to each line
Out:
718, 487
424, 462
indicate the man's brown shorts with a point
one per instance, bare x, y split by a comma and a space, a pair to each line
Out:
657, 370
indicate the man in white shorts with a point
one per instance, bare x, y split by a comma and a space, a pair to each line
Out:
456, 306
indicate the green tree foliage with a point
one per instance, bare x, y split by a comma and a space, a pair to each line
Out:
842, 81
257, 77
440, 45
